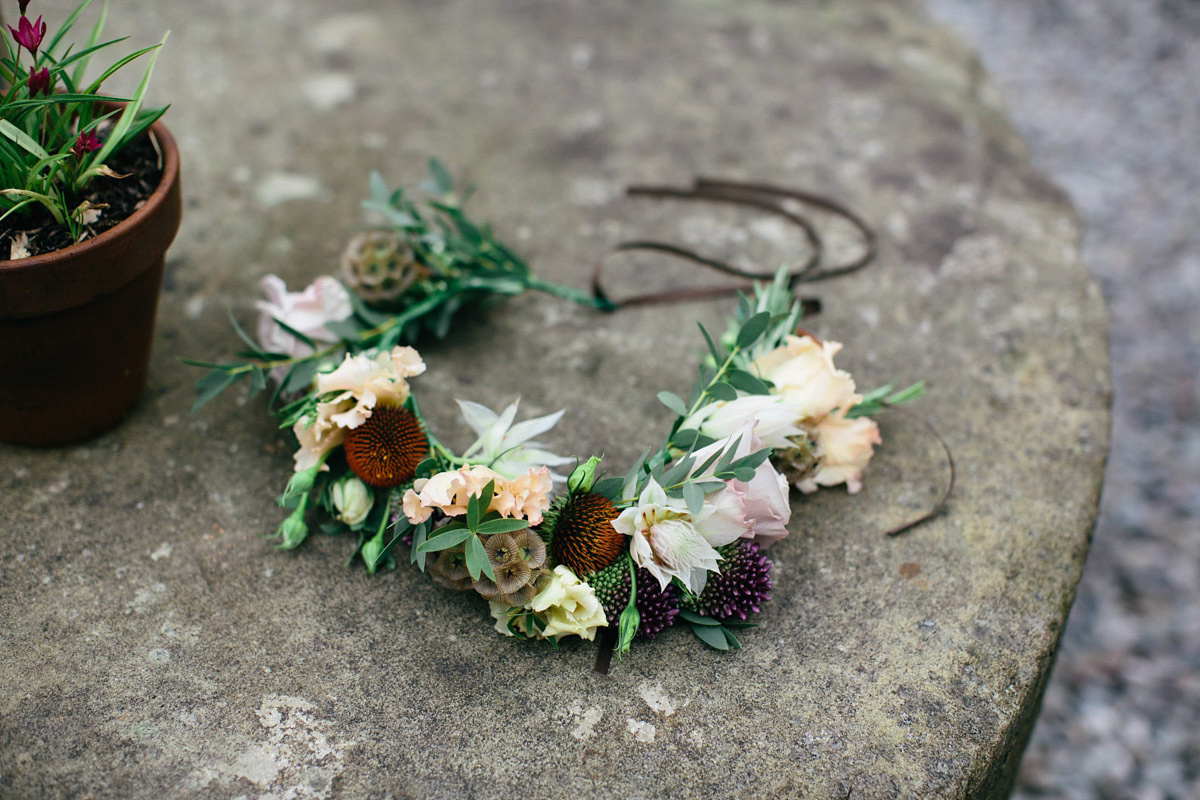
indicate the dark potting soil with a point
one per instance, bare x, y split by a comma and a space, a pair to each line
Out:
140, 162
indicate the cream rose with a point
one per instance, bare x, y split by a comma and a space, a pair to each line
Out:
774, 416
567, 606
803, 373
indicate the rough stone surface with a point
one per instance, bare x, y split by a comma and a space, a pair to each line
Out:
155, 646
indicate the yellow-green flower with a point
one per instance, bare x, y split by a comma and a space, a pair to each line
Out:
565, 606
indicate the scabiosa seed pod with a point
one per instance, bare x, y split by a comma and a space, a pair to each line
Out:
657, 607
740, 588
515, 585
379, 266
531, 546
449, 569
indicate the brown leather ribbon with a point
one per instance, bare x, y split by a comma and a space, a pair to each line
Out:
762, 196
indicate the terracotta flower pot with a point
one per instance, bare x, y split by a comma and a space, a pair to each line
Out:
76, 324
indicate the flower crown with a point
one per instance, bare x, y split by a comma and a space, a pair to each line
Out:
677, 537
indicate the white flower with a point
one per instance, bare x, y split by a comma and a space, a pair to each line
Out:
669, 542
322, 301
844, 446
775, 416
803, 373
505, 447
352, 500
566, 605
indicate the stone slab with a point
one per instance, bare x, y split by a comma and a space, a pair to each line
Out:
155, 646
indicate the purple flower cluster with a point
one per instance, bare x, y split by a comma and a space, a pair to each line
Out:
740, 588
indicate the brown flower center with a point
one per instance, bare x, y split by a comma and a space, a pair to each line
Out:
584, 538
385, 450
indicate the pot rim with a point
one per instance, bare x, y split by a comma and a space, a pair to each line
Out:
170, 176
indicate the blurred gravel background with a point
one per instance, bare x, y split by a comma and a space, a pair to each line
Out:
1107, 93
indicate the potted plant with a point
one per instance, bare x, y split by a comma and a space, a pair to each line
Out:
89, 203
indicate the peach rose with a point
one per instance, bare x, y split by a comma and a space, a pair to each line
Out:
844, 447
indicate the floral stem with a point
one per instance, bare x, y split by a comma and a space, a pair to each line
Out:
568, 293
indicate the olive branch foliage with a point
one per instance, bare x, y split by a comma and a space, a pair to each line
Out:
466, 264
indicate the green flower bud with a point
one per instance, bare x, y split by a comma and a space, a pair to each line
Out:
583, 476
292, 530
301, 481
352, 499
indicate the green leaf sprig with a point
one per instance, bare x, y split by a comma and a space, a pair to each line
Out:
463, 262
57, 134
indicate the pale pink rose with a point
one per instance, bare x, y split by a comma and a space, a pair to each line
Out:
315, 440
844, 447
308, 311
762, 502
767, 505
774, 415
723, 518
366, 380
803, 373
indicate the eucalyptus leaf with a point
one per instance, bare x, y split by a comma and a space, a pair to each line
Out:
477, 560
752, 329
213, 384
299, 377
345, 329
501, 526
444, 541
673, 402
714, 637
693, 495
300, 335
685, 439
722, 391
712, 348
416, 554
609, 487
740, 379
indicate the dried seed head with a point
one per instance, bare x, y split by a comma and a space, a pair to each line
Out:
582, 536
532, 547
379, 266
502, 550
449, 569
385, 450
